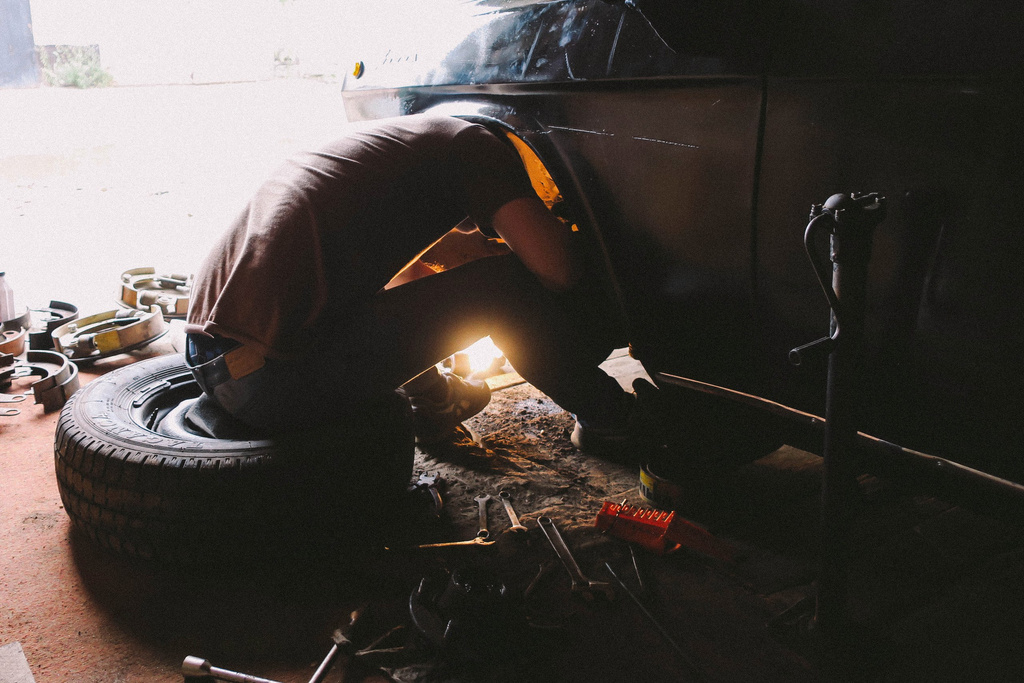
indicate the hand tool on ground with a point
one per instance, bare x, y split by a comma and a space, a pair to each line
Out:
636, 568
195, 666
661, 629
374, 648
476, 540
427, 484
580, 583
659, 531
342, 645
481, 503
506, 500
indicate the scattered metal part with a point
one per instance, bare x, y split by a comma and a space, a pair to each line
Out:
481, 502
109, 333
803, 607
636, 568
466, 613
661, 629
543, 614
476, 540
23, 321
9, 412
12, 398
426, 479
580, 583
428, 484
142, 288
195, 666
46, 320
533, 584
373, 646
13, 334
12, 338
506, 500
59, 377
377, 652
342, 645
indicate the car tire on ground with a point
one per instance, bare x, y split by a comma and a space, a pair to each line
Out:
138, 481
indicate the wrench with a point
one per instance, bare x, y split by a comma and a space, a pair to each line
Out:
481, 502
580, 583
506, 500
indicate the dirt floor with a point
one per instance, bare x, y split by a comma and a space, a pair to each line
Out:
936, 589
99, 181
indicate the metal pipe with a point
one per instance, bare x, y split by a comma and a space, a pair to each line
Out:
957, 483
197, 666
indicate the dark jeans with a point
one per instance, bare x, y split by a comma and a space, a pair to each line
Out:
555, 341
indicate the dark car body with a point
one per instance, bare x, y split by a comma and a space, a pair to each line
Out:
690, 139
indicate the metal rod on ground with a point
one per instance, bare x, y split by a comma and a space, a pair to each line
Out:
196, 666
342, 644
325, 664
661, 629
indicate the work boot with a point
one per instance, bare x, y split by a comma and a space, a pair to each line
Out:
616, 430
437, 411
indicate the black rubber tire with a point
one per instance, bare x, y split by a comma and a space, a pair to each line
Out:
141, 493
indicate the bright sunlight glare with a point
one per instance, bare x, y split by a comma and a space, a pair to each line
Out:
482, 354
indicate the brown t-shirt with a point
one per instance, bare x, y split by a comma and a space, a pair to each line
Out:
331, 227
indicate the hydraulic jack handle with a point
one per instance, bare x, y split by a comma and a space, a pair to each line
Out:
849, 220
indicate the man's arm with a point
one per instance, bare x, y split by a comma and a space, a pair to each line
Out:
462, 244
542, 242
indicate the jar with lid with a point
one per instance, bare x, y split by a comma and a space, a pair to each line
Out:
7, 310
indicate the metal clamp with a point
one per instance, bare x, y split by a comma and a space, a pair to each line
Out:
109, 333
142, 288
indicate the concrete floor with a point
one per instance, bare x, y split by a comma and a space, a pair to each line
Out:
94, 182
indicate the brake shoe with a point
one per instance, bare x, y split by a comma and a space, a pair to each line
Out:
46, 320
13, 333
142, 288
109, 333
59, 378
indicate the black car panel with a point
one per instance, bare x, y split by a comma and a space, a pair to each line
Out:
691, 138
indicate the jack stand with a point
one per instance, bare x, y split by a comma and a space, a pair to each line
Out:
849, 220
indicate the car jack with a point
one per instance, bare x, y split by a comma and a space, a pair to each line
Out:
850, 221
